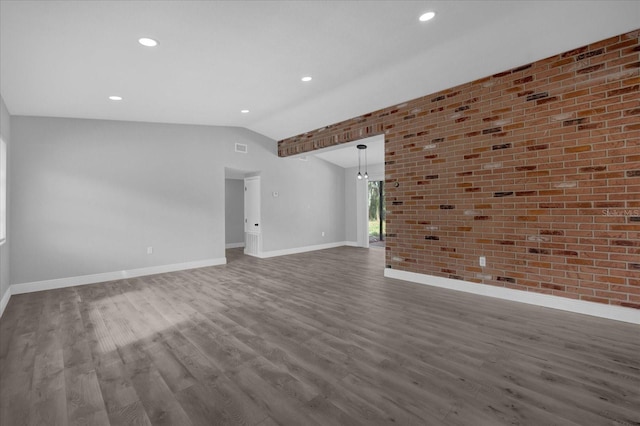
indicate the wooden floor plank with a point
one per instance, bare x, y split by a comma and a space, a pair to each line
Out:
121, 400
316, 338
84, 397
159, 402
48, 394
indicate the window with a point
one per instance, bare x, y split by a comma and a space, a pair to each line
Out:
3, 191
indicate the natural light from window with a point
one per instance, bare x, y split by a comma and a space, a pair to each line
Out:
3, 192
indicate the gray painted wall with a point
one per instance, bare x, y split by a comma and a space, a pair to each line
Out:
5, 131
234, 211
89, 196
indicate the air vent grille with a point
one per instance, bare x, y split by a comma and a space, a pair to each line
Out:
242, 148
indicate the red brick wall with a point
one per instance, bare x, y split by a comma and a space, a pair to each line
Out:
536, 168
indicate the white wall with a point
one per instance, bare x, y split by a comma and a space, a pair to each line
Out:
310, 201
4, 249
234, 211
376, 172
350, 205
89, 196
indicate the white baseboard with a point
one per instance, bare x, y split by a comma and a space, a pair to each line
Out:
296, 250
601, 310
351, 243
234, 245
5, 300
111, 276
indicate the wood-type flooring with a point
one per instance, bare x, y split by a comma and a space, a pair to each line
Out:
319, 338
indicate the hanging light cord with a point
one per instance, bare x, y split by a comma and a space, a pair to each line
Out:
366, 173
360, 148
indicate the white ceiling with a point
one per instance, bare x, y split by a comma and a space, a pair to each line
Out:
346, 155
64, 58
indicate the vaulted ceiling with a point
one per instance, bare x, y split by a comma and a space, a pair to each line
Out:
214, 59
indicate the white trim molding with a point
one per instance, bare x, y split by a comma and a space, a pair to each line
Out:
111, 276
296, 250
5, 300
234, 245
617, 313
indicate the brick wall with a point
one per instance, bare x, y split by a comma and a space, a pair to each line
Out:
536, 168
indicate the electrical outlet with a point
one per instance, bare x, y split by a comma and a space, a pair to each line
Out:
323, 233
483, 261
149, 250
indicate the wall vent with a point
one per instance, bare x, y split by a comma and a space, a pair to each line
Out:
242, 148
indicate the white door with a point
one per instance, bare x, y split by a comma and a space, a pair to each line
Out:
252, 225
252, 204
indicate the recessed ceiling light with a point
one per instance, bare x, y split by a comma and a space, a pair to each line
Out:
244, 111
427, 16
307, 78
115, 98
147, 42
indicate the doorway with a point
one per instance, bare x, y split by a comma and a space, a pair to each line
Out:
376, 213
243, 225
234, 213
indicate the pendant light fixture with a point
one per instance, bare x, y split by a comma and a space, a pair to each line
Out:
360, 149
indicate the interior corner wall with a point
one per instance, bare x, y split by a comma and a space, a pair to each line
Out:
89, 196
536, 168
234, 211
309, 202
5, 132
